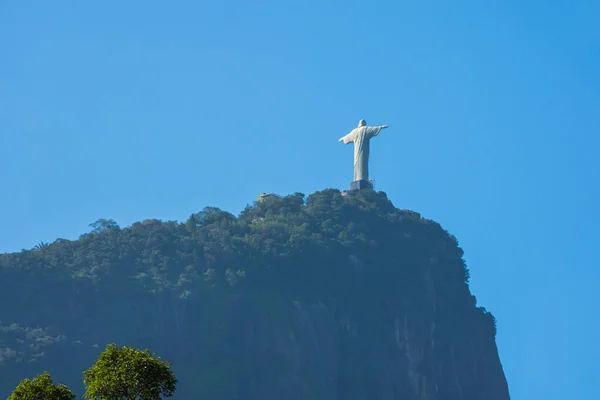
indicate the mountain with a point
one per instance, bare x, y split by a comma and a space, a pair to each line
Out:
332, 296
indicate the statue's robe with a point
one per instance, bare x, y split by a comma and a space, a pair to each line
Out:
361, 137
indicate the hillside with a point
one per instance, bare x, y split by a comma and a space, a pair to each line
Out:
324, 297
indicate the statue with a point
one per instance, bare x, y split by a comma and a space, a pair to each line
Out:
361, 136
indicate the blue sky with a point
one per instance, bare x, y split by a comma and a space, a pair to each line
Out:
145, 109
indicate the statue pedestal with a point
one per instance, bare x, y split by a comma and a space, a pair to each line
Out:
358, 185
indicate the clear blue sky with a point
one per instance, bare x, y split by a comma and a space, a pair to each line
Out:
151, 109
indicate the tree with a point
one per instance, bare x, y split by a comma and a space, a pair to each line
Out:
41, 388
103, 224
128, 374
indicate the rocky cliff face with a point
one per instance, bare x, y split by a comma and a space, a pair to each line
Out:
398, 353
329, 298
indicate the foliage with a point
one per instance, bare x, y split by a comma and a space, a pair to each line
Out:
103, 224
41, 388
129, 374
25, 343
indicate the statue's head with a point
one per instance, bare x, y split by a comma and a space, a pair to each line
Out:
362, 122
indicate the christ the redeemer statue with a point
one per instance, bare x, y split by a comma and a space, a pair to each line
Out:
361, 137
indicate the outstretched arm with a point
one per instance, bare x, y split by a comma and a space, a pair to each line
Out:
349, 138
374, 130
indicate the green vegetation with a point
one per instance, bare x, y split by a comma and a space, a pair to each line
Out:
128, 374
193, 292
119, 374
41, 388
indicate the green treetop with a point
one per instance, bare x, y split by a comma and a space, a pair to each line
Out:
41, 388
128, 374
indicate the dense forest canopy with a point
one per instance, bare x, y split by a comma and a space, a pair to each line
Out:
169, 286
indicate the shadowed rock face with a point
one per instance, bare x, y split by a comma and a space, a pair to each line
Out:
390, 354
335, 297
